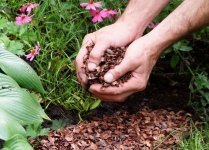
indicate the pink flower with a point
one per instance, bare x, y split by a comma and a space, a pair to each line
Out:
33, 52
111, 13
91, 5
98, 16
152, 25
28, 7
22, 19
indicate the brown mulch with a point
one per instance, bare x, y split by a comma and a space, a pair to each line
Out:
144, 130
111, 58
154, 119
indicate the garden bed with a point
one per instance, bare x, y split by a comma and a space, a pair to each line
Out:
156, 118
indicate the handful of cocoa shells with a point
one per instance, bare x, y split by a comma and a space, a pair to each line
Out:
111, 58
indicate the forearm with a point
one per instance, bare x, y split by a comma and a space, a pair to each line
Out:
139, 13
188, 17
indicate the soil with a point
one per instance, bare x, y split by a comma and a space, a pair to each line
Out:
153, 119
134, 124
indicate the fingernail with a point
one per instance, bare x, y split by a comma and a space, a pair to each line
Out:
108, 77
91, 66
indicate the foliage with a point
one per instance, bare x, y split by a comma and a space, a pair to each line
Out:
18, 107
35, 130
14, 37
198, 139
58, 123
199, 87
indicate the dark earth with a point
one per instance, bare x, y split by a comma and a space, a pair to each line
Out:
158, 112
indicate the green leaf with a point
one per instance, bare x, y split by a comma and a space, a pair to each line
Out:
21, 106
20, 71
29, 36
185, 48
57, 124
6, 81
3, 23
9, 127
4, 39
17, 142
95, 104
35, 130
13, 29
15, 47
174, 61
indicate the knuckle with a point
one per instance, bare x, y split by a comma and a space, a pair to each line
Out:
93, 57
87, 36
76, 60
117, 72
142, 85
116, 92
119, 99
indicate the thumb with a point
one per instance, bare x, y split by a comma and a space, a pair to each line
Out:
125, 66
96, 54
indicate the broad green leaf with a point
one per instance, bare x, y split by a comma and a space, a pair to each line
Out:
20, 71
9, 127
17, 142
174, 61
6, 81
21, 106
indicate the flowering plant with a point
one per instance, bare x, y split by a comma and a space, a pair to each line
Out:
25, 16
96, 11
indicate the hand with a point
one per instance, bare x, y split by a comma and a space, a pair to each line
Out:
140, 58
115, 35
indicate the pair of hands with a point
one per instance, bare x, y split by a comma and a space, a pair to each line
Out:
139, 60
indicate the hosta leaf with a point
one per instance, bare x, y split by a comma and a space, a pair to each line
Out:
21, 106
20, 71
17, 142
6, 81
9, 127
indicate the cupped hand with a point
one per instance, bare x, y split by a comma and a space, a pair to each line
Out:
115, 35
139, 59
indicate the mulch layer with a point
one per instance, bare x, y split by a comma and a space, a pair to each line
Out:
154, 119
147, 129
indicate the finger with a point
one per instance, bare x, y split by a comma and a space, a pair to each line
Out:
113, 98
96, 54
125, 66
89, 39
80, 71
135, 84
81, 75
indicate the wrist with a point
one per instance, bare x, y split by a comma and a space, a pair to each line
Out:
155, 44
131, 27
